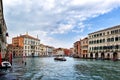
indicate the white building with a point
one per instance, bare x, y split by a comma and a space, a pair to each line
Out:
49, 50
30, 44
105, 44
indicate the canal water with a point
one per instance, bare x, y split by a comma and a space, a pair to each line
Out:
72, 69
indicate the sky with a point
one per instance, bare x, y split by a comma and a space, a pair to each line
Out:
59, 23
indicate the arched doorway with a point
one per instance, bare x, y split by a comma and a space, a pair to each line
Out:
13, 54
91, 55
115, 56
83, 55
108, 56
102, 56
96, 55
32, 54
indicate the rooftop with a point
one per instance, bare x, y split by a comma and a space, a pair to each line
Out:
118, 26
27, 36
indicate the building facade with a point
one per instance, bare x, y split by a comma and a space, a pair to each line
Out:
67, 52
29, 44
46, 50
71, 51
77, 49
42, 50
49, 50
3, 29
105, 44
58, 51
84, 48
16, 50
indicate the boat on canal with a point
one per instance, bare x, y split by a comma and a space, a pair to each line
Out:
60, 58
6, 64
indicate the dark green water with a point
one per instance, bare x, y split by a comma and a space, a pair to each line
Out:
72, 69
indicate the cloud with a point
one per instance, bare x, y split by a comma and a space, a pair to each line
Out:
53, 16
63, 28
78, 37
79, 28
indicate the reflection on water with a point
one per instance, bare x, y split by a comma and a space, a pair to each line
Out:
72, 69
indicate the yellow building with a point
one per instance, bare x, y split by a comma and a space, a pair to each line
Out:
84, 47
42, 50
77, 49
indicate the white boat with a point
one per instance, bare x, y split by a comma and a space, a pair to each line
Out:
6, 64
60, 56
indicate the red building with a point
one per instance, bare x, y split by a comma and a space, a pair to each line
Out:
67, 52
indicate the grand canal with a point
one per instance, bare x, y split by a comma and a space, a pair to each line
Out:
72, 69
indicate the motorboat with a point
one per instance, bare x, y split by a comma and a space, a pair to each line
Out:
6, 64
60, 58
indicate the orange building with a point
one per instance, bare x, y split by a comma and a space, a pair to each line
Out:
84, 48
77, 49
16, 50
29, 44
18, 41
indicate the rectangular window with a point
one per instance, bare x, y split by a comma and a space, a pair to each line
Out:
112, 39
112, 32
116, 31
100, 34
89, 42
116, 38
108, 40
94, 35
97, 41
100, 41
